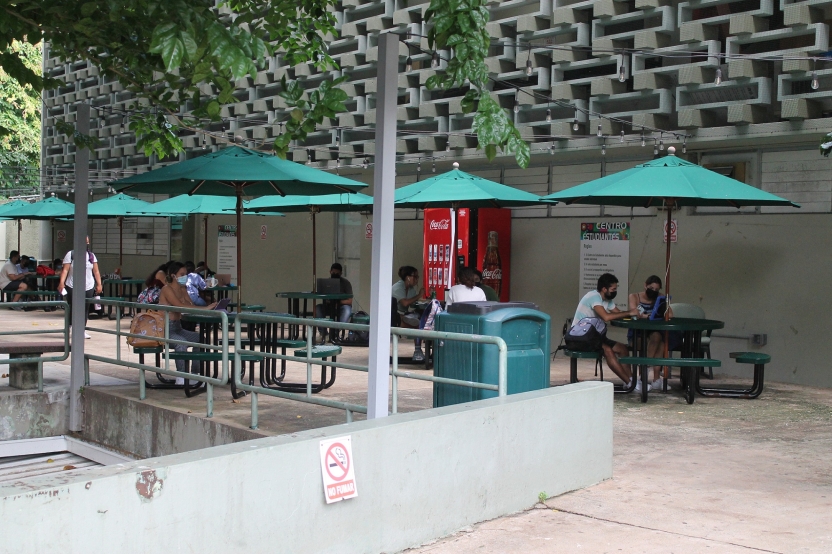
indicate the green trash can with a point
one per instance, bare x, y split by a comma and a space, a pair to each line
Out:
526, 331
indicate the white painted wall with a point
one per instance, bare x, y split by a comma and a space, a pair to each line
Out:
419, 476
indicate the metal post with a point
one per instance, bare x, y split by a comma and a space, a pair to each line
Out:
384, 188
79, 270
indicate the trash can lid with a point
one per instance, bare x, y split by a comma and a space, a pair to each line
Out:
481, 308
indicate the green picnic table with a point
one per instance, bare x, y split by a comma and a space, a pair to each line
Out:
293, 300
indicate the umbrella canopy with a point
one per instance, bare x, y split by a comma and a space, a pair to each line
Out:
653, 183
459, 189
238, 172
355, 202
49, 208
670, 182
119, 205
14, 204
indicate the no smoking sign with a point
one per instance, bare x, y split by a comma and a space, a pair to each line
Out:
337, 469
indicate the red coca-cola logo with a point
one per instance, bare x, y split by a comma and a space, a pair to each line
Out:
440, 225
496, 274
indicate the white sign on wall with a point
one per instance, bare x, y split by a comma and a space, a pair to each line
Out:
674, 228
227, 250
605, 248
338, 469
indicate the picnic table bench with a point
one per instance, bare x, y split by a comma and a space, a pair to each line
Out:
689, 366
28, 375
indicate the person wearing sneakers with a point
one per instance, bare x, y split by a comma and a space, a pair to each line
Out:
92, 280
599, 303
644, 302
13, 280
406, 294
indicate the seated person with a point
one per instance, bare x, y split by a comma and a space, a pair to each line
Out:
202, 268
644, 302
490, 294
406, 295
599, 303
466, 291
13, 279
343, 308
195, 285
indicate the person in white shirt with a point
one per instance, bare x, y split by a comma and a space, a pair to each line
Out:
11, 279
467, 290
92, 283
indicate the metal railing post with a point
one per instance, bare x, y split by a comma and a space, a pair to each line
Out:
395, 371
502, 369
309, 331
254, 410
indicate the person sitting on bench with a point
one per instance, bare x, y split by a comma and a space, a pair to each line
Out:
175, 293
599, 303
13, 280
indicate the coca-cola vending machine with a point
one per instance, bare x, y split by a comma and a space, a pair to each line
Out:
483, 241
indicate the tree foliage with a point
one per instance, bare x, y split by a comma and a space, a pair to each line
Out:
185, 56
459, 26
20, 110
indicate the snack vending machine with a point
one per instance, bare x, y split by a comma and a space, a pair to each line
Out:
483, 241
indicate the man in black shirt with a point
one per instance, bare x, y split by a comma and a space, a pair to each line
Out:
343, 308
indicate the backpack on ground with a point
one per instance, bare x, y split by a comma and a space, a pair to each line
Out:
150, 325
587, 335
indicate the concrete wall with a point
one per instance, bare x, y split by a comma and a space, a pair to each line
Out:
143, 430
419, 476
33, 414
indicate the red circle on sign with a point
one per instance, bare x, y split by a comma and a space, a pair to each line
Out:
338, 465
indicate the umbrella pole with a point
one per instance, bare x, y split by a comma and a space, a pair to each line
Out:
120, 242
205, 245
19, 226
454, 236
52, 243
314, 257
239, 250
669, 205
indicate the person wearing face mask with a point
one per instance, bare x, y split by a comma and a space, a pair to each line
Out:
644, 302
600, 303
175, 293
92, 279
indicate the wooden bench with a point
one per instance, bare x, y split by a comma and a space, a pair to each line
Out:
689, 367
28, 375
758, 360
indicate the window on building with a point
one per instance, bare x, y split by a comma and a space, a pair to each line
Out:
140, 236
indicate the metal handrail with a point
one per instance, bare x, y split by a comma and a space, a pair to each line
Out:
310, 324
40, 359
166, 342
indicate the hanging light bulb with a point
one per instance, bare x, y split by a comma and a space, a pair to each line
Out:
517, 102
603, 149
551, 149
718, 79
203, 141
448, 143
622, 136
622, 73
655, 149
685, 145
529, 67
433, 170
600, 132
337, 138
66, 182
575, 123
308, 157
434, 60
366, 163
643, 142
661, 144
408, 64
548, 115
419, 166
815, 81
337, 165
101, 122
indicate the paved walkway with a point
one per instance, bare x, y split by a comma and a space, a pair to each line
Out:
721, 475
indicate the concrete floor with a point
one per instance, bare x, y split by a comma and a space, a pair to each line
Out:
720, 475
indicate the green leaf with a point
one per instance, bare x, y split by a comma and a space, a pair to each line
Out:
490, 151
213, 108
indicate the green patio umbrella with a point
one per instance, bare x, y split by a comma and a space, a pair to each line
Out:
8, 206
236, 171
48, 209
119, 206
668, 182
457, 189
355, 202
197, 204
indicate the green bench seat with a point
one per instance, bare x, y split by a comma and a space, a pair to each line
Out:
575, 355
758, 360
689, 366
320, 351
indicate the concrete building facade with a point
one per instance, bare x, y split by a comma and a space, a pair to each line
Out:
646, 68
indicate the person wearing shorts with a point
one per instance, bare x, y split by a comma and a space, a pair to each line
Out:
599, 303
13, 280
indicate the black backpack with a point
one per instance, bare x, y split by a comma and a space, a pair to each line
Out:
587, 335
